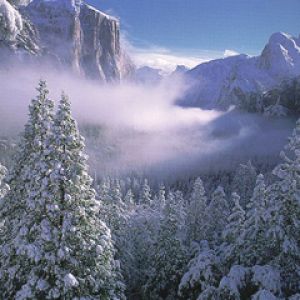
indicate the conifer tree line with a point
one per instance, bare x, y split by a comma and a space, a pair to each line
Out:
54, 245
64, 236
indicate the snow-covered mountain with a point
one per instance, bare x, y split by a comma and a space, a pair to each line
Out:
220, 83
66, 33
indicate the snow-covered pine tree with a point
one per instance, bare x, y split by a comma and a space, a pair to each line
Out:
59, 248
202, 274
285, 217
40, 113
244, 182
141, 237
196, 213
85, 237
162, 197
115, 208
217, 212
33, 142
168, 257
232, 232
129, 199
104, 190
4, 188
254, 236
145, 194
180, 212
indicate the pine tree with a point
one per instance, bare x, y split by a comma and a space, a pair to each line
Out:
285, 217
162, 197
59, 248
217, 212
116, 210
104, 190
4, 188
18, 201
141, 236
169, 257
180, 213
145, 194
254, 235
244, 182
39, 123
196, 213
232, 232
129, 199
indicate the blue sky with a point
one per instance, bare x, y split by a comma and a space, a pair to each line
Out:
201, 29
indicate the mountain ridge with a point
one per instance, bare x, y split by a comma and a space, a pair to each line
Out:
219, 83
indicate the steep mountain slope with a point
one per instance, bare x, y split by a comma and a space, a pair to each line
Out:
220, 83
68, 34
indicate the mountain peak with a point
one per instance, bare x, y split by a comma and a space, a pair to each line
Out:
279, 38
222, 82
281, 55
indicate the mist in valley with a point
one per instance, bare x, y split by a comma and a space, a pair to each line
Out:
138, 128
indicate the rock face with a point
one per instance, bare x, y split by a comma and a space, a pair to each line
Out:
17, 35
223, 82
68, 34
19, 2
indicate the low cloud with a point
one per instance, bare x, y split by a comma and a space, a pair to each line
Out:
140, 128
164, 58
229, 52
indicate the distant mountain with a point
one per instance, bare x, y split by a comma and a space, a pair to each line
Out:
153, 76
68, 34
180, 69
222, 82
148, 75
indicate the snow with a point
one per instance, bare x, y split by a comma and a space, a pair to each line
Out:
267, 277
264, 295
71, 5
235, 279
24, 293
70, 281
11, 22
34, 252
42, 284
200, 270
218, 82
46, 230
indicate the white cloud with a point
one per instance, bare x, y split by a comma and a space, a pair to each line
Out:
229, 52
166, 59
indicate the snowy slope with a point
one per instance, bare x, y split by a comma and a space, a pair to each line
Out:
219, 83
68, 34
